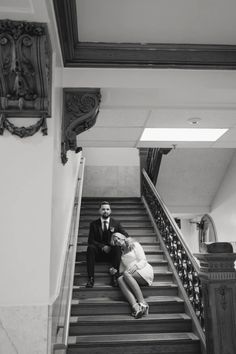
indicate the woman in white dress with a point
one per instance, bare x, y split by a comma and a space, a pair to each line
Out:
135, 271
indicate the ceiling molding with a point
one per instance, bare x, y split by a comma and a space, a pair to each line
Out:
134, 55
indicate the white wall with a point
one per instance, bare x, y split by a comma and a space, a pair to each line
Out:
63, 192
37, 194
223, 208
25, 213
223, 212
111, 172
36, 200
190, 178
190, 234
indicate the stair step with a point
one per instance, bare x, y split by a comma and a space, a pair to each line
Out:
81, 266
105, 279
127, 224
157, 288
131, 229
120, 207
99, 306
141, 238
124, 219
151, 257
89, 215
112, 200
148, 248
154, 323
92, 214
144, 343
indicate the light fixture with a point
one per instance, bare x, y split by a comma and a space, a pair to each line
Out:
181, 134
194, 120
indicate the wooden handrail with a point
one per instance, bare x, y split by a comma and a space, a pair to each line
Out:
69, 265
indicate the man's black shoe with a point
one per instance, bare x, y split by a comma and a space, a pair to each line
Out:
114, 281
90, 283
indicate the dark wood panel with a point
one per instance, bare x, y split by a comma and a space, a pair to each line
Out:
183, 56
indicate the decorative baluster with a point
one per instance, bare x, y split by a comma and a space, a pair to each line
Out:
176, 249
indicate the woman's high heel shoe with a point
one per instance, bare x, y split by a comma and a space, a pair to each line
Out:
137, 311
145, 308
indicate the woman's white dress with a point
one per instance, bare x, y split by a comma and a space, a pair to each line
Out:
137, 257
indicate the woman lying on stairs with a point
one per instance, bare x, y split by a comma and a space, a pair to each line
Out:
135, 271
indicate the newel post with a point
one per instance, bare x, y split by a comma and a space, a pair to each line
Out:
218, 279
143, 153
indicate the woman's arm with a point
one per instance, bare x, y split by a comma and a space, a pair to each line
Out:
140, 256
141, 260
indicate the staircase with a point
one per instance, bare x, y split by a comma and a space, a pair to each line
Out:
100, 317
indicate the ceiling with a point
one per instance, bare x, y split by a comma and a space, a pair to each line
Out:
125, 113
157, 21
198, 35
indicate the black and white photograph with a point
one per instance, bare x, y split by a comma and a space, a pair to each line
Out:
118, 176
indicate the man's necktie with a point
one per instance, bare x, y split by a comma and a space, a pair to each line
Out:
105, 232
105, 226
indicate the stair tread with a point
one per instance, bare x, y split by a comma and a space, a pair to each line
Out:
136, 233
90, 213
132, 337
154, 285
113, 202
147, 248
147, 252
114, 206
125, 217
102, 274
104, 263
147, 244
127, 318
149, 299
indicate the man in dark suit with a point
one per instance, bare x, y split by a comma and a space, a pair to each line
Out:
99, 248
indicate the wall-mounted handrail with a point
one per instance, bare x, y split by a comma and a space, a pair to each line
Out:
185, 264
69, 265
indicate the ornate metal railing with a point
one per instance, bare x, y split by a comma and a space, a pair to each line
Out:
183, 260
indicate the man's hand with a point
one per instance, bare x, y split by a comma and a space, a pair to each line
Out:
106, 249
113, 271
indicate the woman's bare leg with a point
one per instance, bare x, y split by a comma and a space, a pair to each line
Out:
134, 286
126, 291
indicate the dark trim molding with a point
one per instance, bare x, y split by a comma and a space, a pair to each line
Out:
134, 55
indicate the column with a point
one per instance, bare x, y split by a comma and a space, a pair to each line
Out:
218, 278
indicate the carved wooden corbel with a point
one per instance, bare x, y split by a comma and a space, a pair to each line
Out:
25, 75
80, 110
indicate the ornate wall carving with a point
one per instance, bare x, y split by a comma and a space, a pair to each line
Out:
80, 110
25, 75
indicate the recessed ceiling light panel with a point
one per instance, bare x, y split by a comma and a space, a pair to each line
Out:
181, 134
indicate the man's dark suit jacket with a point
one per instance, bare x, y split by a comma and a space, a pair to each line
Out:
95, 232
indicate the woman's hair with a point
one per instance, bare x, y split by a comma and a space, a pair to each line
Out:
128, 240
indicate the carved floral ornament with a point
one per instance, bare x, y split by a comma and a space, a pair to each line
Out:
25, 76
80, 110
